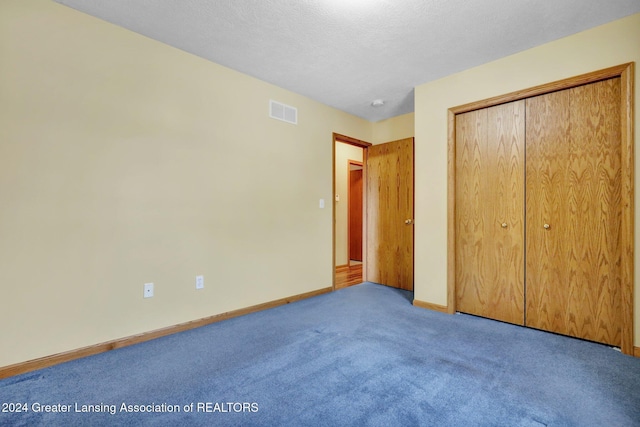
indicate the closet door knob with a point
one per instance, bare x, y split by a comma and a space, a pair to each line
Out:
546, 226
408, 221
504, 225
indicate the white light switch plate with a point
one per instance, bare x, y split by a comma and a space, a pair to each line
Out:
199, 282
148, 290
321, 203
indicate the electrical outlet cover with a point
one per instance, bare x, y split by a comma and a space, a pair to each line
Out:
148, 290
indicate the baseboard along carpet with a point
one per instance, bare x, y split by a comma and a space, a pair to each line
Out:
361, 356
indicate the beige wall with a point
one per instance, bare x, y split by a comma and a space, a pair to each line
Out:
125, 161
393, 129
344, 153
601, 47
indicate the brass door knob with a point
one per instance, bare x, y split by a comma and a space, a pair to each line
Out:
408, 221
546, 226
504, 225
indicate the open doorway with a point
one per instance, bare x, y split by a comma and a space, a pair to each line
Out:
349, 178
387, 220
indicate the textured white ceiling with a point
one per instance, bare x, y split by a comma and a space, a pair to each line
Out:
347, 53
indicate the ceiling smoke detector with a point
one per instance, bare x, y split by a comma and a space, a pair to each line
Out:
377, 103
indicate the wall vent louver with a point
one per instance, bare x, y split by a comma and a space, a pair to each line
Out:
280, 111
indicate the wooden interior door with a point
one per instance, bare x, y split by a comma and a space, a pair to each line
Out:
574, 212
489, 211
355, 212
389, 214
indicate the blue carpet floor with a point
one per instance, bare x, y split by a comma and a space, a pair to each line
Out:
359, 356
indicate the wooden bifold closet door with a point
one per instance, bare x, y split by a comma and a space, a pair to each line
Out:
538, 212
490, 212
574, 212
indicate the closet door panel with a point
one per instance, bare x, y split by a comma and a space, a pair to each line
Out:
595, 184
471, 242
573, 186
490, 212
547, 134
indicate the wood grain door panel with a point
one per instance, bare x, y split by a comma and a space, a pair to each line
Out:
490, 212
574, 187
547, 126
389, 181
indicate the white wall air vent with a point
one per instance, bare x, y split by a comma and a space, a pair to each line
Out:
280, 111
